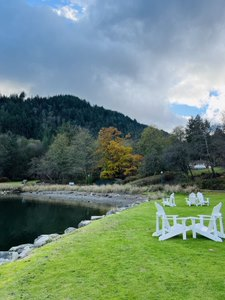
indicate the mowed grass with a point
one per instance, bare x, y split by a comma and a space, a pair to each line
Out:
219, 170
117, 258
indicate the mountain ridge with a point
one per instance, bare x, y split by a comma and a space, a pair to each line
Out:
36, 117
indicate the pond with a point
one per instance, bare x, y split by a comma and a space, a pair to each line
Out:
21, 221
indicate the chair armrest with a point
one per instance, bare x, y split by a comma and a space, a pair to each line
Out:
178, 220
205, 216
202, 219
171, 216
184, 222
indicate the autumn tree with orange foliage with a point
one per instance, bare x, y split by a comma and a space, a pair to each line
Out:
117, 159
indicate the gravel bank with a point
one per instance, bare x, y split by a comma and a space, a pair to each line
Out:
111, 199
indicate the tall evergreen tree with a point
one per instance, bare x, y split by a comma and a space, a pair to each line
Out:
199, 140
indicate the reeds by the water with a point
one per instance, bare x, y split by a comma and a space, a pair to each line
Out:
152, 191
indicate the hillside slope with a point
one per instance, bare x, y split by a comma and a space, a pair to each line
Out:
40, 116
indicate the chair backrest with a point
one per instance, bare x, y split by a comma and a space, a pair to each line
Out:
172, 196
216, 210
216, 215
192, 196
162, 216
200, 196
192, 199
160, 210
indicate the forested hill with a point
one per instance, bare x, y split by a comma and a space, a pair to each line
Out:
40, 117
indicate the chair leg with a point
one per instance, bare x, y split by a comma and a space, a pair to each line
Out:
221, 232
184, 235
193, 229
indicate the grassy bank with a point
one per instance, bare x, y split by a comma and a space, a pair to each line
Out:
117, 258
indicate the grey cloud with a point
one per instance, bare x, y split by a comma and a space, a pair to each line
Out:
125, 55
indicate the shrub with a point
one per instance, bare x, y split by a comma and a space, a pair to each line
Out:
213, 183
156, 179
169, 176
130, 179
4, 179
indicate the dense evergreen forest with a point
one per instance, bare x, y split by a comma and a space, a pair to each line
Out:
62, 138
40, 117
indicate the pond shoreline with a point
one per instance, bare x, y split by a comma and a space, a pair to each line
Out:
108, 199
111, 202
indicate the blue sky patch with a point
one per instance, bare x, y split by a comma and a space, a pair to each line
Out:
187, 110
54, 3
58, 4
214, 93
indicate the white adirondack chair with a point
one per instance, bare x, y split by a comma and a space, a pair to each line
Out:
168, 226
169, 201
202, 200
210, 226
192, 199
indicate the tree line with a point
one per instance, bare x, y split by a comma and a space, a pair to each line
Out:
70, 152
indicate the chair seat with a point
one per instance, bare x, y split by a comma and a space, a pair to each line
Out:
202, 228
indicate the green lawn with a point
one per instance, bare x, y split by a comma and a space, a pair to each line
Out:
117, 258
219, 170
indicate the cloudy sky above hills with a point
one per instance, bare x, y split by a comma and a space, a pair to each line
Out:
156, 61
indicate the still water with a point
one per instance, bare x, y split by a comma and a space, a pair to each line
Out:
21, 221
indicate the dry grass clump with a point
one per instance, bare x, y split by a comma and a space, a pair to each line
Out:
10, 186
156, 191
109, 188
179, 188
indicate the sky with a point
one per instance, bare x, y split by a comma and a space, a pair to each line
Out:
157, 61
